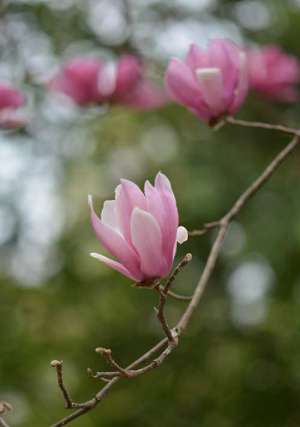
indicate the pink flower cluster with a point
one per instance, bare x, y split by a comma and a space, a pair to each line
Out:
10, 100
212, 83
141, 230
91, 81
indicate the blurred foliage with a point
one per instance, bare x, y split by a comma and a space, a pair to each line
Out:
238, 363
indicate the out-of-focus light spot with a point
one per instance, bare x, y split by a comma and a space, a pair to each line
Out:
250, 281
59, 108
249, 314
253, 14
13, 161
40, 207
234, 240
185, 33
60, 4
32, 264
125, 162
7, 224
195, 5
295, 3
248, 285
160, 143
106, 19
17, 400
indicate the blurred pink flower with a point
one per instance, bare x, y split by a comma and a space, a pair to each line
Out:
90, 81
10, 100
140, 229
211, 83
274, 73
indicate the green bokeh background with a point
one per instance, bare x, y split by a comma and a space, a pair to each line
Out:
239, 362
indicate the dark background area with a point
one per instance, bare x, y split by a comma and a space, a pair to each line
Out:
238, 363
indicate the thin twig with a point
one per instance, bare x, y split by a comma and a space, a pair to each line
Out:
179, 297
58, 365
185, 260
163, 294
3, 423
205, 276
107, 354
262, 125
204, 229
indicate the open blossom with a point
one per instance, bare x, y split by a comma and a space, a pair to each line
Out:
10, 100
274, 73
141, 230
88, 81
211, 83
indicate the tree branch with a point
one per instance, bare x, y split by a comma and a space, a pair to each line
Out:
3, 423
223, 225
262, 125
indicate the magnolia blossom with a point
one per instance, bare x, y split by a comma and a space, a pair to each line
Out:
139, 229
88, 80
274, 73
10, 100
211, 83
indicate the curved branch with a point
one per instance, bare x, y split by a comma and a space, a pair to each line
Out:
223, 225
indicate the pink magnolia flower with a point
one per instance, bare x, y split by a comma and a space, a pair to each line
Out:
10, 100
91, 81
274, 73
211, 83
140, 229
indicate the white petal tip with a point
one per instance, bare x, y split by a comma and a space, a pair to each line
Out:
182, 234
94, 255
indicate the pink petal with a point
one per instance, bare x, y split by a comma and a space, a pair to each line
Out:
154, 204
79, 80
197, 58
183, 88
10, 97
128, 196
114, 243
211, 84
145, 96
163, 183
129, 72
224, 54
109, 214
12, 119
170, 221
147, 239
242, 85
114, 265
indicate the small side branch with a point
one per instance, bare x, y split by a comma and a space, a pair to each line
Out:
107, 354
3, 423
163, 294
58, 365
262, 125
204, 229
